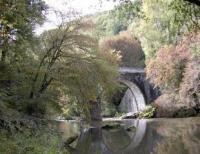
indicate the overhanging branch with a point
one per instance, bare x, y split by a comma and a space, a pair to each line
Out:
197, 2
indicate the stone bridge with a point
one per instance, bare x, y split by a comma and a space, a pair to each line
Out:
140, 91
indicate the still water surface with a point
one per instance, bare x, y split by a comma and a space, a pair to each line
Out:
157, 136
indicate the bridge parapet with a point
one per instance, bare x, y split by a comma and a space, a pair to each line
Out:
131, 70
138, 76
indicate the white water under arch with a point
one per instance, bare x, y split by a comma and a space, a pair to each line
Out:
133, 100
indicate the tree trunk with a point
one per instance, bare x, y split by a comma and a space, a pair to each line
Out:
3, 55
95, 111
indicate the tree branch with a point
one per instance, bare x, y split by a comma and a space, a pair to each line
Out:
197, 2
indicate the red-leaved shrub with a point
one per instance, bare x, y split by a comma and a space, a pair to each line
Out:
190, 87
128, 46
166, 69
176, 70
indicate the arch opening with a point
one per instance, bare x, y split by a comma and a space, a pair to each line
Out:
133, 100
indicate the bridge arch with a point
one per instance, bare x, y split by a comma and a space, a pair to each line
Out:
133, 100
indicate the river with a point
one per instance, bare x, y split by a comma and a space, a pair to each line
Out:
155, 136
112, 136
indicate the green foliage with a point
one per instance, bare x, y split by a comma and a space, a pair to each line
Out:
70, 110
63, 69
119, 114
164, 22
18, 19
169, 35
149, 112
30, 140
70, 64
186, 14
113, 22
108, 109
64, 62
38, 72
17, 23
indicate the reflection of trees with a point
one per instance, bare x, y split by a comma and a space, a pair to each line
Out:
91, 142
68, 129
165, 136
179, 137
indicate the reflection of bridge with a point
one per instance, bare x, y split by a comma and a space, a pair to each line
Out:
118, 140
140, 91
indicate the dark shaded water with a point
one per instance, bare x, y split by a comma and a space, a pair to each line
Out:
159, 136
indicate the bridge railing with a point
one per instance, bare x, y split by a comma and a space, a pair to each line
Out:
131, 70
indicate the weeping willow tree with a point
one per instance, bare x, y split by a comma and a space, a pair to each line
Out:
69, 64
45, 73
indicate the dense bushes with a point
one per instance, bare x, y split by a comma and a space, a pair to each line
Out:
148, 112
169, 35
176, 69
129, 48
166, 69
30, 136
190, 87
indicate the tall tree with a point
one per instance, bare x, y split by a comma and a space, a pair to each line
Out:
17, 21
164, 22
69, 62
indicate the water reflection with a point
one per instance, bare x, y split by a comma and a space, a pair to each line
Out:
161, 136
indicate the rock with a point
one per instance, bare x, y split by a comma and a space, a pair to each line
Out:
111, 126
185, 112
131, 128
168, 107
130, 115
70, 140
